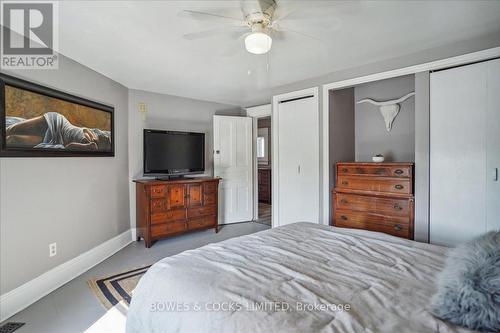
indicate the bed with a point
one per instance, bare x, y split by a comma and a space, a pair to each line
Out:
301, 277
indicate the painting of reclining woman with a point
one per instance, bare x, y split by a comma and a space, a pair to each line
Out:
38, 122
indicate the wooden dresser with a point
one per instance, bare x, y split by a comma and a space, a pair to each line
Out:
375, 197
171, 207
264, 185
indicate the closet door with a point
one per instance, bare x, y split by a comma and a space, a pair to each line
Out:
298, 161
493, 146
458, 170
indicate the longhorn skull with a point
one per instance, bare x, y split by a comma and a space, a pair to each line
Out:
388, 109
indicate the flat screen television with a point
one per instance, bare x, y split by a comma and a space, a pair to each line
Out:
170, 153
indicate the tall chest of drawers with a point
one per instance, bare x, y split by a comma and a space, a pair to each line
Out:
171, 207
375, 197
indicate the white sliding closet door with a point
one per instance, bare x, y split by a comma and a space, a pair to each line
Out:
464, 150
493, 147
298, 161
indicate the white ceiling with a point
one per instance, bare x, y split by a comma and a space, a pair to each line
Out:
140, 43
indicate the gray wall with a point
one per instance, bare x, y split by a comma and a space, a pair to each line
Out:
170, 113
78, 202
372, 138
341, 130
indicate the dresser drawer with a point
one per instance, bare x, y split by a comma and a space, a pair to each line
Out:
208, 221
209, 198
376, 184
389, 206
396, 226
158, 191
403, 171
201, 211
168, 216
263, 188
158, 205
210, 187
168, 228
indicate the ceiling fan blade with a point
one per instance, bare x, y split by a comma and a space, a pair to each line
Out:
208, 16
214, 32
235, 47
283, 12
277, 34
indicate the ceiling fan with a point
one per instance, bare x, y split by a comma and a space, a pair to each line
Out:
261, 22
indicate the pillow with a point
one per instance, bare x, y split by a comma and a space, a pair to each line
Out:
469, 286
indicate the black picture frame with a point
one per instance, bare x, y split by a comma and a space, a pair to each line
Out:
7, 80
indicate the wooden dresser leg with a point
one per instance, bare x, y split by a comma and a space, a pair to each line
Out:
217, 229
148, 243
138, 238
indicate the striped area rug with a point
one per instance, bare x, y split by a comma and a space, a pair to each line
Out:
116, 289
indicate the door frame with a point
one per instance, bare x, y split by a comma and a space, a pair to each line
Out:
314, 91
421, 196
257, 112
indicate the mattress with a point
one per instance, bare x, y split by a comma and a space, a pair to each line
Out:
301, 277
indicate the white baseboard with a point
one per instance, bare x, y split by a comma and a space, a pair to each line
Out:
30, 292
133, 232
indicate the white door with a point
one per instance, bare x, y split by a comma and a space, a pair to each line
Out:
297, 161
458, 154
493, 147
233, 163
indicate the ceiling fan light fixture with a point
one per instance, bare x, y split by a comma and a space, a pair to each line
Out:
258, 43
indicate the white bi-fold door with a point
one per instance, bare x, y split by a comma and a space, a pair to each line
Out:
233, 163
296, 163
464, 152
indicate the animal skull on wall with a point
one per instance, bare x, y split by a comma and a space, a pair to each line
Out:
388, 109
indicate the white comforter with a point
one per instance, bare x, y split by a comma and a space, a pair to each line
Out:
301, 277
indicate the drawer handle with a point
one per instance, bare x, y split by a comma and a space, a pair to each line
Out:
398, 227
345, 182
398, 172
344, 170
397, 207
398, 187
344, 201
343, 217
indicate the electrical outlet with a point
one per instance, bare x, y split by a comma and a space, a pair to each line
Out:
52, 249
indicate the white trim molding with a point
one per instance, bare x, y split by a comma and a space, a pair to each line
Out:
259, 111
256, 112
275, 149
18, 299
428, 66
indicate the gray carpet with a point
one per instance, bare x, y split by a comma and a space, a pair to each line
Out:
74, 308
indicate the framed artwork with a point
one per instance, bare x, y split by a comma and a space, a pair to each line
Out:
37, 121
